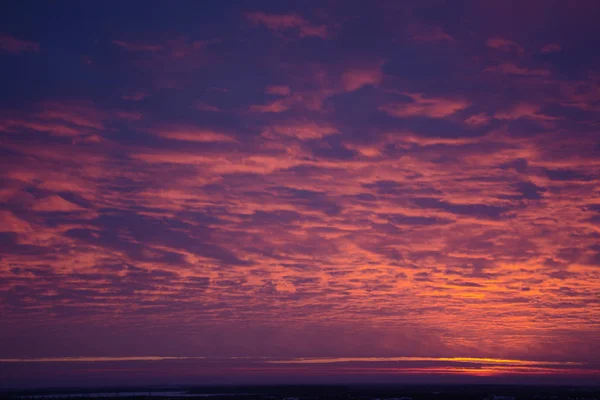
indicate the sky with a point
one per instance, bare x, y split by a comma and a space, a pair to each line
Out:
299, 191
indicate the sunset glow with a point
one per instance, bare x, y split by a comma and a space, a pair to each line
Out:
239, 191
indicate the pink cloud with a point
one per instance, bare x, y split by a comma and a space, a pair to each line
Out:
135, 96
310, 100
284, 22
72, 118
503, 44
314, 30
17, 46
512, 69
276, 21
355, 78
138, 47
55, 203
435, 34
276, 106
425, 107
324, 83
301, 130
192, 134
55, 128
524, 110
61, 119
551, 48
10, 223
74, 113
177, 48
584, 95
201, 106
128, 115
278, 90
477, 119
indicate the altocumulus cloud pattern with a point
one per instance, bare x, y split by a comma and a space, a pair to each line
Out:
266, 190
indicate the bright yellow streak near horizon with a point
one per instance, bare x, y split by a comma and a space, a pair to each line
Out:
311, 360
502, 361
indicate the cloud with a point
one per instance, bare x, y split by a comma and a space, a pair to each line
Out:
13, 45
512, 69
324, 83
138, 47
192, 134
422, 106
301, 130
309, 100
201, 106
58, 118
499, 43
135, 96
55, 203
278, 90
551, 48
276, 106
286, 22
266, 195
524, 110
79, 119
435, 34
355, 78
477, 120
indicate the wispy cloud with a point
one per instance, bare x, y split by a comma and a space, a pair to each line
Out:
504, 45
13, 45
422, 106
287, 22
132, 46
551, 48
513, 69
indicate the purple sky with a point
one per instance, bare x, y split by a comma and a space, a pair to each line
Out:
299, 191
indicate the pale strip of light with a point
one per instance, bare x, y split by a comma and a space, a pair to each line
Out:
477, 360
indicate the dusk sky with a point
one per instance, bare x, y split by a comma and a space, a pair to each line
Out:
299, 191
